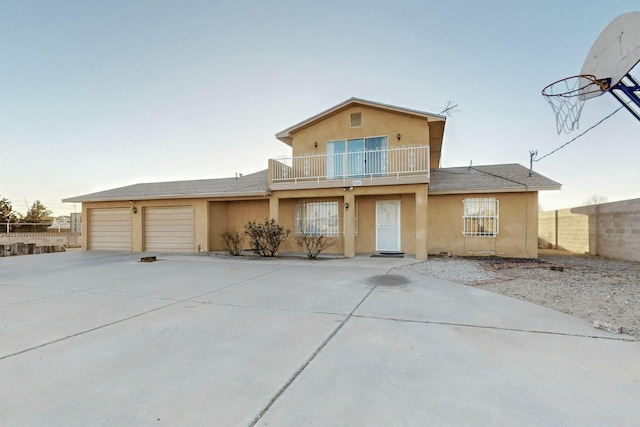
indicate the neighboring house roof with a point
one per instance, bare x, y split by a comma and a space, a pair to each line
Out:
487, 179
254, 184
285, 135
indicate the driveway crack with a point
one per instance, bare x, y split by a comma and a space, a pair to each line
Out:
313, 355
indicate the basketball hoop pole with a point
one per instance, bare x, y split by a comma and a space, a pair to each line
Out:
630, 88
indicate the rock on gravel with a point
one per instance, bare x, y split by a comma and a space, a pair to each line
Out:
605, 292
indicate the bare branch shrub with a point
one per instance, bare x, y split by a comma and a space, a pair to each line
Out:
265, 238
232, 241
313, 244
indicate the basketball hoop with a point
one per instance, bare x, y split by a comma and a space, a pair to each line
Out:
566, 97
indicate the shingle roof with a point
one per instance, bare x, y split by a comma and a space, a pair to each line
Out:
489, 178
254, 184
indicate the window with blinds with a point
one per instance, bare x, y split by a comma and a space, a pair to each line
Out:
480, 217
318, 218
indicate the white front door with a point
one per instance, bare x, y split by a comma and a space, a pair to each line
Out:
388, 225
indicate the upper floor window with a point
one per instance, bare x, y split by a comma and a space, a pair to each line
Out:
481, 218
357, 157
356, 120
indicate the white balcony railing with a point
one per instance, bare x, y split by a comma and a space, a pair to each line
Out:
361, 164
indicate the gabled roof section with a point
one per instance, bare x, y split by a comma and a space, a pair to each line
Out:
285, 135
255, 184
488, 179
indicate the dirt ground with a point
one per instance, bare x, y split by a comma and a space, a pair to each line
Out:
600, 290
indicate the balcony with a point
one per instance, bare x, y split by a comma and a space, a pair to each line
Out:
405, 165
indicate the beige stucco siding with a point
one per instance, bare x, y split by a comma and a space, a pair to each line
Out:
365, 198
234, 214
375, 122
514, 239
366, 239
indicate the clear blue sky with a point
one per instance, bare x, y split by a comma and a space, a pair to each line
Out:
100, 94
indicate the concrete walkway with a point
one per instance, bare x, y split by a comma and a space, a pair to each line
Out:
95, 338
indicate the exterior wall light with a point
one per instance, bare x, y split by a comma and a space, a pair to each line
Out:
346, 205
315, 144
398, 136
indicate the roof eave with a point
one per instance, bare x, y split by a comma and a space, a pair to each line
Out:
168, 197
522, 189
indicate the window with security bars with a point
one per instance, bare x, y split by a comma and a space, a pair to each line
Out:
480, 217
318, 218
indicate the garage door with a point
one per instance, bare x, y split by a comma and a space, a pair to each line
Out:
110, 229
169, 229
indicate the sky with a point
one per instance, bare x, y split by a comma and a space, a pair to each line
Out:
97, 95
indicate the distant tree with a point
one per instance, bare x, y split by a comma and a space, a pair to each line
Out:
596, 199
6, 212
37, 213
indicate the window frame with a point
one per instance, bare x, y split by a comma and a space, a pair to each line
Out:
356, 157
358, 118
480, 214
318, 218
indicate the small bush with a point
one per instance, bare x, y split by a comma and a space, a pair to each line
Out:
313, 244
232, 241
265, 238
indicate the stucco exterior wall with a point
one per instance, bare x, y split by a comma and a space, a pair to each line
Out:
375, 122
234, 214
366, 238
365, 198
515, 238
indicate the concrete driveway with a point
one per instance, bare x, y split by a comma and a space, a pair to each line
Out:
90, 338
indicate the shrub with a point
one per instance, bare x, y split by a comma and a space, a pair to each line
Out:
265, 238
313, 244
232, 241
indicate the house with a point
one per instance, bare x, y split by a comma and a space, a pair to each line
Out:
363, 172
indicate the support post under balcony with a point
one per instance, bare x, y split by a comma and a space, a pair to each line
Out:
349, 225
274, 207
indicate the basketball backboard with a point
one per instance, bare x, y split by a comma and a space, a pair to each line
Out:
607, 68
615, 52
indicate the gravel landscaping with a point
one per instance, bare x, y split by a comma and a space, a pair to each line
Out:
603, 291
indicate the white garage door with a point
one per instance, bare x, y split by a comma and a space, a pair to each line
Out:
169, 229
110, 229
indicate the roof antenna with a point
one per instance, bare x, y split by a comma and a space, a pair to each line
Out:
449, 109
532, 156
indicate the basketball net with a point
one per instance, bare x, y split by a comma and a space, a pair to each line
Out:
566, 97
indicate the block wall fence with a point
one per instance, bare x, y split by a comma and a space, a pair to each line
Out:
610, 230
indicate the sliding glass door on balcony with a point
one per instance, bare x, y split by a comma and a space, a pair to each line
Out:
353, 158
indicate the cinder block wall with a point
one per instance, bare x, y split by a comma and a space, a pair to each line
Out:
611, 230
69, 240
564, 230
617, 229
547, 228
